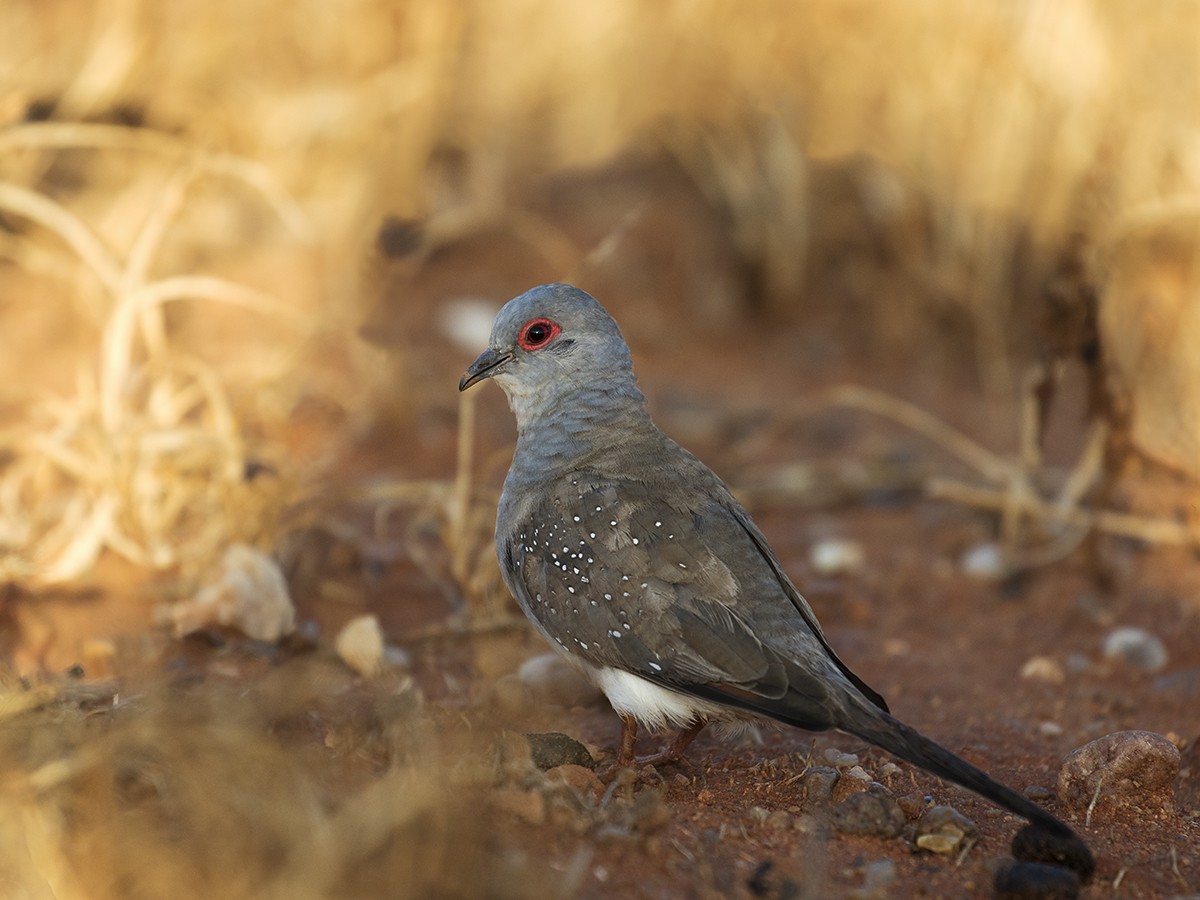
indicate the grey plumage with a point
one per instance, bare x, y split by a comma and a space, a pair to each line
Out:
636, 562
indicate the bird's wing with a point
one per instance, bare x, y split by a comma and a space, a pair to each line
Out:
680, 594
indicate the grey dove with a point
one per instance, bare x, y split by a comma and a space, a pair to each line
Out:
637, 564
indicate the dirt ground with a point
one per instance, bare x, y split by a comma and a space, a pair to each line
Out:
945, 649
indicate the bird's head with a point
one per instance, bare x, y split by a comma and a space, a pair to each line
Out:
554, 342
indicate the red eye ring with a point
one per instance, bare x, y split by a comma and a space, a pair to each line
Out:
537, 333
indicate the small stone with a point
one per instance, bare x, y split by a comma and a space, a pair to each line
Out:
836, 556
1038, 793
984, 562
1050, 729
914, 805
943, 829
1043, 669
581, 779
1136, 648
887, 772
838, 759
552, 679
1128, 771
1019, 880
817, 783
552, 749
868, 813
360, 645
857, 772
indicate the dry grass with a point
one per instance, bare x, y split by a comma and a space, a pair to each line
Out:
279, 135
303, 787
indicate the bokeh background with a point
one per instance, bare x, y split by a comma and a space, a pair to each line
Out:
246, 248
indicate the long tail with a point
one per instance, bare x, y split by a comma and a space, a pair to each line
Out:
899, 739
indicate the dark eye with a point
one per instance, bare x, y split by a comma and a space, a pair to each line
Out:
537, 333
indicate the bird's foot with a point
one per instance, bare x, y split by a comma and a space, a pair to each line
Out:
671, 753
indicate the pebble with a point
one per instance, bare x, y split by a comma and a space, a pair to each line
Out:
836, 556
360, 645
816, 785
553, 749
552, 679
943, 829
886, 772
1018, 880
914, 804
868, 813
580, 778
1125, 770
1136, 647
1043, 669
838, 759
983, 561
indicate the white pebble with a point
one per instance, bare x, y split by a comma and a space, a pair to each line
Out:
835, 556
360, 645
1137, 648
983, 561
1044, 669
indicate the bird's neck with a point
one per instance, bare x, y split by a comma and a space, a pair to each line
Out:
559, 433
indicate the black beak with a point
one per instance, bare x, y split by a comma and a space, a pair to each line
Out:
484, 367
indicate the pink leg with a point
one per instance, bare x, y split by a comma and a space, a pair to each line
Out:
673, 752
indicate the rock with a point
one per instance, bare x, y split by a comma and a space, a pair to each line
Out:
1136, 648
1043, 669
984, 562
816, 785
943, 829
868, 812
836, 556
581, 779
1125, 771
887, 772
1018, 880
360, 645
247, 592
552, 679
838, 759
914, 804
856, 772
553, 749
